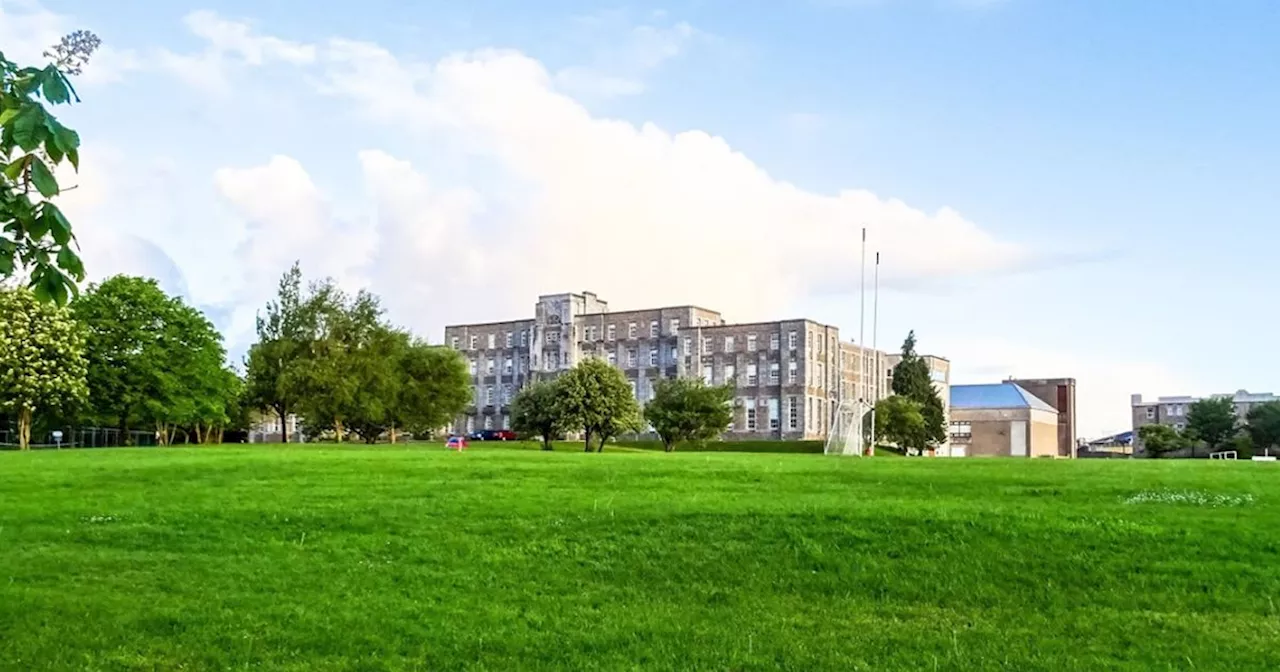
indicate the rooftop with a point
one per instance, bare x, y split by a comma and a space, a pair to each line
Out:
998, 395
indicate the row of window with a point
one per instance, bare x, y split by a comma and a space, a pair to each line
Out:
730, 374
491, 341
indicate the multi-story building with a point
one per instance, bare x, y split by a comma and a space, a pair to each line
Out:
789, 375
1172, 411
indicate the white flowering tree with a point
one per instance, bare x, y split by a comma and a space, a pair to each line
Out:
42, 365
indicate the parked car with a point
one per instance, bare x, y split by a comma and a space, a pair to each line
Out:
455, 442
492, 435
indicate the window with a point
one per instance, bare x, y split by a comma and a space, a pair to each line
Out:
1179, 426
488, 366
728, 344
688, 344
653, 329
591, 333
751, 416
634, 391
773, 342
631, 330
961, 431
507, 366
773, 413
453, 342
675, 327
820, 377
793, 413
506, 422
631, 357
751, 342
506, 394
471, 366
791, 371
752, 377
609, 332
524, 365
509, 335
730, 375
675, 354
549, 363
552, 337
706, 346
1151, 412
488, 422
612, 357
472, 342
524, 339
791, 340
773, 373
653, 356
492, 341
809, 414
706, 373
808, 343
488, 395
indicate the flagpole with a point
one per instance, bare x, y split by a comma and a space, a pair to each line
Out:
862, 319
875, 350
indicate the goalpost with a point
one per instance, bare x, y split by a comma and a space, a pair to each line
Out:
845, 437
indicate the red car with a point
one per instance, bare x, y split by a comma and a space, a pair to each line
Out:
493, 435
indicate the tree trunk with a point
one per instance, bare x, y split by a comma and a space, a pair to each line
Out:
546, 442
600, 446
24, 428
283, 412
393, 433
587, 439
199, 437
668, 445
337, 429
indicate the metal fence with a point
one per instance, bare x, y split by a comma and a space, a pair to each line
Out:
80, 437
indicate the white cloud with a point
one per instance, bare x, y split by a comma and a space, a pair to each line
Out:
626, 55
229, 44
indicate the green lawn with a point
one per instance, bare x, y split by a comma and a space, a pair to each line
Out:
498, 559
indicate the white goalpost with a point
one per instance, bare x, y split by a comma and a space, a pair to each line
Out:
846, 437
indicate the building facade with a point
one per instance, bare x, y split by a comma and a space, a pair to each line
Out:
1059, 393
1172, 411
1001, 420
789, 375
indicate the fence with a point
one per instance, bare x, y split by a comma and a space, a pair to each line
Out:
80, 437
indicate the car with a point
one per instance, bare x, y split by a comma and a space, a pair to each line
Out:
492, 435
455, 442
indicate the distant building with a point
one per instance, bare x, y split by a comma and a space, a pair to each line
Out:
1059, 393
1172, 411
1001, 420
789, 375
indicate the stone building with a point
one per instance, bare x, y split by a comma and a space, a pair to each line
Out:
1172, 411
789, 375
1059, 393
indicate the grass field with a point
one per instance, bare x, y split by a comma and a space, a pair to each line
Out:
498, 559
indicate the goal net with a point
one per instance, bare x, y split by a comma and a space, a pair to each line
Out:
845, 437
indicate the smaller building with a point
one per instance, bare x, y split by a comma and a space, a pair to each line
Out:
1059, 393
1001, 420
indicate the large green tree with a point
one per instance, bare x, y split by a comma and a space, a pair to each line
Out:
153, 360
1159, 440
596, 398
687, 409
274, 364
42, 366
36, 237
1264, 426
433, 388
536, 411
912, 381
898, 420
1212, 422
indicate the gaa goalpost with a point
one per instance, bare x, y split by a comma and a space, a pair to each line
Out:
846, 436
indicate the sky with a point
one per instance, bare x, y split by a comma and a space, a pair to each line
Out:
1057, 188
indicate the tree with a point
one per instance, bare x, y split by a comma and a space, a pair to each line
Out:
153, 359
1264, 425
1158, 440
1212, 422
597, 399
911, 380
434, 388
687, 409
272, 364
899, 421
36, 235
536, 410
336, 331
42, 366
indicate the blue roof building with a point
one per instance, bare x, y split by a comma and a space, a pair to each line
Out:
1002, 420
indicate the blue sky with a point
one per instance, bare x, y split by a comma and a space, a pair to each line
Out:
1059, 188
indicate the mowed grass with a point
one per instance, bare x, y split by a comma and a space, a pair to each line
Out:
272, 558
